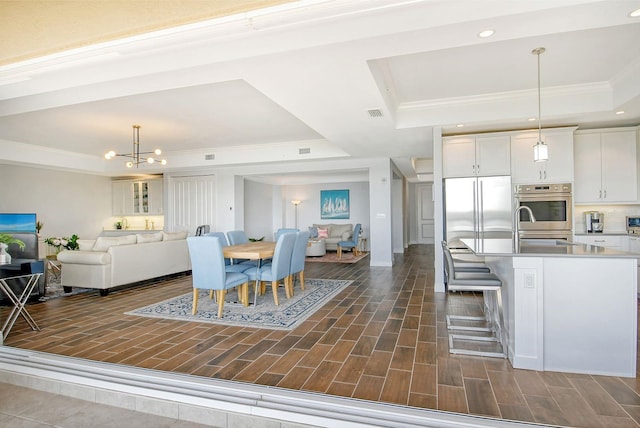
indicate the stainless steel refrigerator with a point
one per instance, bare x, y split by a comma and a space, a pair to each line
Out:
477, 207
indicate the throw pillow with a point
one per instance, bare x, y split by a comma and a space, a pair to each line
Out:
103, 243
149, 237
313, 232
127, 239
323, 233
173, 236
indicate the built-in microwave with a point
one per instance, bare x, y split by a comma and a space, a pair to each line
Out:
551, 205
633, 225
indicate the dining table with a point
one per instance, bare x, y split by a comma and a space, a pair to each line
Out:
258, 250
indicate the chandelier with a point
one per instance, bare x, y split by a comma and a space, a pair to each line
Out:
135, 152
540, 150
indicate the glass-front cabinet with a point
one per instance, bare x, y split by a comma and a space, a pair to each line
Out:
137, 197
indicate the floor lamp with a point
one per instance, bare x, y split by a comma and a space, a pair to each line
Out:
295, 204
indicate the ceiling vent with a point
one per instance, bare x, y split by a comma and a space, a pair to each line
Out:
304, 151
210, 157
376, 112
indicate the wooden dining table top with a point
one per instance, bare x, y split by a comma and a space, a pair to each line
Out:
250, 250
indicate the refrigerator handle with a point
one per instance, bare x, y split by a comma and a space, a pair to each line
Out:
475, 211
481, 209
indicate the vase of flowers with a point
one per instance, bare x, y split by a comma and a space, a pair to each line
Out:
5, 241
59, 243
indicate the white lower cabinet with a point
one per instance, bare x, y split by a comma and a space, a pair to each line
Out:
634, 244
617, 242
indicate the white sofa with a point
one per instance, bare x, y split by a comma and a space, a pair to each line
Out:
108, 262
337, 233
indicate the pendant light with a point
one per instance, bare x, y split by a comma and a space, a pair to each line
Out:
540, 150
135, 155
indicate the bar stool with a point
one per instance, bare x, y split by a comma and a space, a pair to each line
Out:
490, 286
466, 266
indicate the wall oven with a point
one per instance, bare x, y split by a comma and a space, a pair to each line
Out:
551, 205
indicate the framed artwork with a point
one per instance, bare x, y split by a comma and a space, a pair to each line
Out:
334, 204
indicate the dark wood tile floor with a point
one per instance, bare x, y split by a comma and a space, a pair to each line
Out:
383, 338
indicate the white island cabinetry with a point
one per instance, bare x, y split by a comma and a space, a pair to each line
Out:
481, 156
568, 307
559, 167
605, 166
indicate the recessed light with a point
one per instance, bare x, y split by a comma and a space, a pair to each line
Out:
531, 119
635, 13
460, 125
620, 112
486, 33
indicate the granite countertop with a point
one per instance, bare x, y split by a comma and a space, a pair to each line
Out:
541, 248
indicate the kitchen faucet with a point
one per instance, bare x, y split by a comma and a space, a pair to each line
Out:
516, 223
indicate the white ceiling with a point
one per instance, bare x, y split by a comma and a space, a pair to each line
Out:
255, 88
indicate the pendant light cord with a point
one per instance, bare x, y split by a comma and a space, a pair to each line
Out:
539, 103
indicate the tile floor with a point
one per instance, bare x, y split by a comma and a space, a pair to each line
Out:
27, 408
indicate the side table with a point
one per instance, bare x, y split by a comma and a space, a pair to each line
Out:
362, 244
54, 266
18, 302
316, 248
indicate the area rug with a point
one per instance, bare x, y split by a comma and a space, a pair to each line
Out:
53, 289
286, 316
333, 258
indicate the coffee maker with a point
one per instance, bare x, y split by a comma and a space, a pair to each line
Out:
594, 221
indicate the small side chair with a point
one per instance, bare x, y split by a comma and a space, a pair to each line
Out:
353, 243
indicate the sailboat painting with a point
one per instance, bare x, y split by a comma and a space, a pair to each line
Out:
334, 204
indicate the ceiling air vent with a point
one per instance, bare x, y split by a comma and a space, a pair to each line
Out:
376, 112
210, 157
304, 151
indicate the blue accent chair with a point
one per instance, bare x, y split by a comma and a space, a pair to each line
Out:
208, 272
298, 257
278, 269
228, 266
353, 243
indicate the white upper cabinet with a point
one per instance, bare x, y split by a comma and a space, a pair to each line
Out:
131, 197
156, 197
122, 198
470, 156
605, 166
559, 167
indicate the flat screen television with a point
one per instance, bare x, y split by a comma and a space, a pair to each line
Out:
17, 222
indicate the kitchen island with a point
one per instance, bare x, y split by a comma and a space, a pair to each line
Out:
568, 307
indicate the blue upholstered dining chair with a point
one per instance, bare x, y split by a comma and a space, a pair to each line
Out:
228, 266
285, 230
352, 243
298, 256
208, 272
238, 237
278, 269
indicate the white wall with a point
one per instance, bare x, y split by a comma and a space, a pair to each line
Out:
258, 212
66, 202
309, 209
380, 210
397, 215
